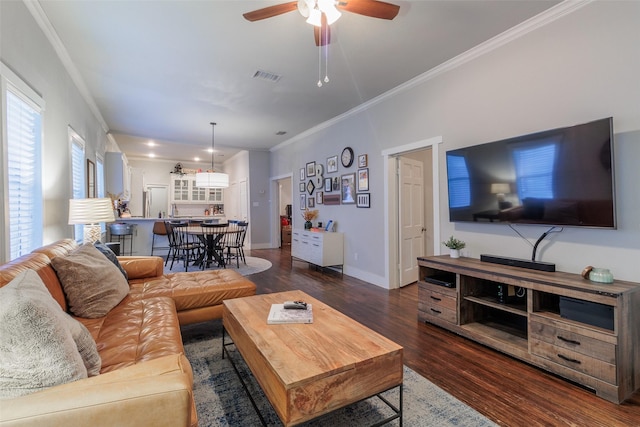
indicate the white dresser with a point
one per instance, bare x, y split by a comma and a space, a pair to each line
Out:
323, 249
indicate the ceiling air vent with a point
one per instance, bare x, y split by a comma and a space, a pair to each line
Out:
265, 75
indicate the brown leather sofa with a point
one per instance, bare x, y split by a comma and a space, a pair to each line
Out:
145, 378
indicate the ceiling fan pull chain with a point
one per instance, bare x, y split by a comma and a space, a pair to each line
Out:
326, 63
319, 66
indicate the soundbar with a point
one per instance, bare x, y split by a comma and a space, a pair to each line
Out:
517, 262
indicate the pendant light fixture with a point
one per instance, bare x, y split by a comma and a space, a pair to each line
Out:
211, 178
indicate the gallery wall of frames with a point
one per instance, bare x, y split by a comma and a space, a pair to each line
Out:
338, 180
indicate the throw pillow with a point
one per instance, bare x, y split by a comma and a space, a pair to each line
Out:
37, 348
111, 256
92, 284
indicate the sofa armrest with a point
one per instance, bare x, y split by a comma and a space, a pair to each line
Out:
155, 393
142, 267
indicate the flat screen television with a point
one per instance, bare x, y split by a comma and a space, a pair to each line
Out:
558, 177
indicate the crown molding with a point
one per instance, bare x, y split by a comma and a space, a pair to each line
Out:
542, 19
43, 22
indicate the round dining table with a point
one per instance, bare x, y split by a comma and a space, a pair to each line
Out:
213, 238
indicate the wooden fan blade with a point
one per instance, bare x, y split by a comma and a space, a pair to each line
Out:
271, 11
323, 33
372, 8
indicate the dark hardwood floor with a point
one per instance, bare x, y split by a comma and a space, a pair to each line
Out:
509, 392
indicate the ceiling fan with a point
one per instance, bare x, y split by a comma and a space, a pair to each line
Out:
322, 13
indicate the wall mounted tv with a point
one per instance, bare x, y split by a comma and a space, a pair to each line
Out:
560, 177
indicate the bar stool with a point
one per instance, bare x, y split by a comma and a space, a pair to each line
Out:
159, 229
121, 231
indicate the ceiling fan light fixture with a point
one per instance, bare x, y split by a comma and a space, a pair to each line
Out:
315, 17
328, 7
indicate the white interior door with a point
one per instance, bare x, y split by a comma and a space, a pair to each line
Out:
411, 215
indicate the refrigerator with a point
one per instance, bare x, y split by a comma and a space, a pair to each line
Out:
155, 200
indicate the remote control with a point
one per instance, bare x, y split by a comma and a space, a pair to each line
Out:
295, 305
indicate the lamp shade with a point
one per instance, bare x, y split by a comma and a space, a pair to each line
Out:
90, 211
500, 188
212, 180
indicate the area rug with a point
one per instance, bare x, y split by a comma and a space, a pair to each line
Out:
221, 401
254, 265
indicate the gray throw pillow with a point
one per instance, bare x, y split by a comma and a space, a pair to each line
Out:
111, 256
40, 345
92, 284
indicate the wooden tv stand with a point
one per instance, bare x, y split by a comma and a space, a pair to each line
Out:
546, 319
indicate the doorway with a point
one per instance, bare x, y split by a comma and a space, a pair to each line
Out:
281, 190
414, 211
412, 200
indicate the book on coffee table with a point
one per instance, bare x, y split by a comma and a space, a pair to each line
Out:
279, 315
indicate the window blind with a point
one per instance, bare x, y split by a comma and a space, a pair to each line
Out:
24, 185
77, 175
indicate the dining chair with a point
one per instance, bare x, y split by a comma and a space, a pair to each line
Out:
236, 242
214, 235
172, 241
184, 248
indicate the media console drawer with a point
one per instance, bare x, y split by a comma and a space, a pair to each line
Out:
564, 337
441, 305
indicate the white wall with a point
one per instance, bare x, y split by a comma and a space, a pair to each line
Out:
580, 67
28, 53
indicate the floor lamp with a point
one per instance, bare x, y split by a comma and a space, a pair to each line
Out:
91, 212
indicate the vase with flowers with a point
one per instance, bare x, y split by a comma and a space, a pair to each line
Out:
308, 217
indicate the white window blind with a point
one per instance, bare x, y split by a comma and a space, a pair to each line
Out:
24, 173
459, 184
100, 183
77, 175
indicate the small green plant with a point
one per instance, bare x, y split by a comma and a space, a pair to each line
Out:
454, 243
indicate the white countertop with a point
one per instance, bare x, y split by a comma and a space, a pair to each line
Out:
179, 218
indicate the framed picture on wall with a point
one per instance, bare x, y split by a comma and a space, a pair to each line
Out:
362, 161
91, 179
363, 179
302, 187
319, 197
363, 200
303, 202
335, 185
302, 176
348, 189
332, 164
327, 185
311, 202
311, 169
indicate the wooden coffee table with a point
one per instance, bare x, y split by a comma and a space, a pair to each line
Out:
307, 370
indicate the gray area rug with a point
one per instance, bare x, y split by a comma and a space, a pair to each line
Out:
221, 401
254, 265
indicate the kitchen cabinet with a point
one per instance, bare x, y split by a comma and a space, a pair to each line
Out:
117, 175
183, 189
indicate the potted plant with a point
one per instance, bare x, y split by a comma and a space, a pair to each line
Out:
454, 246
308, 216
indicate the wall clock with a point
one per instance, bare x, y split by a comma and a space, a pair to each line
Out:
347, 157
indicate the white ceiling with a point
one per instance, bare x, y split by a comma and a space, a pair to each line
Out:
163, 70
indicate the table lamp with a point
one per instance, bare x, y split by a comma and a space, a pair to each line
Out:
91, 212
